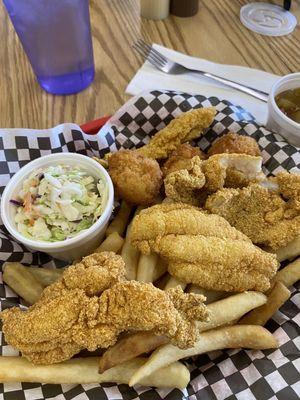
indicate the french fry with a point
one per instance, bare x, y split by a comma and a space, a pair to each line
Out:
120, 221
232, 337
22, 281
289, 274
129, 253
130, 256
46, 276
146, 267
230, 309
130, 347
276, 298
101, 161
290, 251
85, 370
160, 269
211, 295
162, 281
173, 282
106, 156
113, 242
221, 312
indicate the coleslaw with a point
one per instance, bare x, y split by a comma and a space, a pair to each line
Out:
59, 202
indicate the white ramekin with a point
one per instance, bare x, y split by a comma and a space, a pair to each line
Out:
278, 122
69, 249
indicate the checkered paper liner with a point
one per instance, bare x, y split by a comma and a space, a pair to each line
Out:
231, 374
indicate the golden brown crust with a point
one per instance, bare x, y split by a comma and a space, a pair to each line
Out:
203, 249
88, 309
269, 218
198, 178
187, 126
184, 185
179, 159
137, 178
231, 170
219, 264
289, 185
155, 222
93, 274
234, 143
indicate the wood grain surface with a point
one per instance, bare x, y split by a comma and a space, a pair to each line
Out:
215, 33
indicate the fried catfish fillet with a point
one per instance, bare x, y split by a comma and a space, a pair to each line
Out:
187, 126
91, 305
268, 214
199, 178
234, 143
179, 159
184, 185
203, 249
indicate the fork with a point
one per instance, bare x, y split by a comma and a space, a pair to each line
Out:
168, 66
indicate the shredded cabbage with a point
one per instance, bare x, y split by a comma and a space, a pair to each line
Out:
59, 202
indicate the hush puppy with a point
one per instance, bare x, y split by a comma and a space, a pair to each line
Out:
137, 178
234, 143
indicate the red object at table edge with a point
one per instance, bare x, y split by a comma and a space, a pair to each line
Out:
93, 127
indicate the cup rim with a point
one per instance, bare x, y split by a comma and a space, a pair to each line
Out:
48, 246
274, 104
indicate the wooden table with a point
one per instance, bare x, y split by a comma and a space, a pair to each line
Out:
216, 33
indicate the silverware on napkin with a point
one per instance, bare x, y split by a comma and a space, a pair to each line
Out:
168, 66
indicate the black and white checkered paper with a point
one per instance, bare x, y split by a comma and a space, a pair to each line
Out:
233, 374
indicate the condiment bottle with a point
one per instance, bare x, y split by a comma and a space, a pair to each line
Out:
184, 8
155, 9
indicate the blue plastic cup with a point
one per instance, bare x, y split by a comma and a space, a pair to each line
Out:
56, 36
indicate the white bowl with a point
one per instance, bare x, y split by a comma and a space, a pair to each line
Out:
278, 122
70, 249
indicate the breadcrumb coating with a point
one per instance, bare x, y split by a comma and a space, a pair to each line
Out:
203, 248
200, 178
179, 159
184, 185
91, 305
231, 170
234, 143
187, 126
137, 178
289, 185
270, 218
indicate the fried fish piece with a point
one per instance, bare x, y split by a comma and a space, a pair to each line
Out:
232, 170
92, 304
187, 126
184, 185
203, 249
200, 178
234, 143
179, 159
269, 215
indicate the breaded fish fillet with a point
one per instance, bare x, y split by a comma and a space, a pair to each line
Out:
92, 304
184, 185
199, 178
269, 215
202, 249
234, 143
179, 159
185, 127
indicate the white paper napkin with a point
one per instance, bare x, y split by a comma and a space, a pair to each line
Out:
149, 78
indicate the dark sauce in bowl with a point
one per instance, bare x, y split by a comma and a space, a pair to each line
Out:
289, 103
